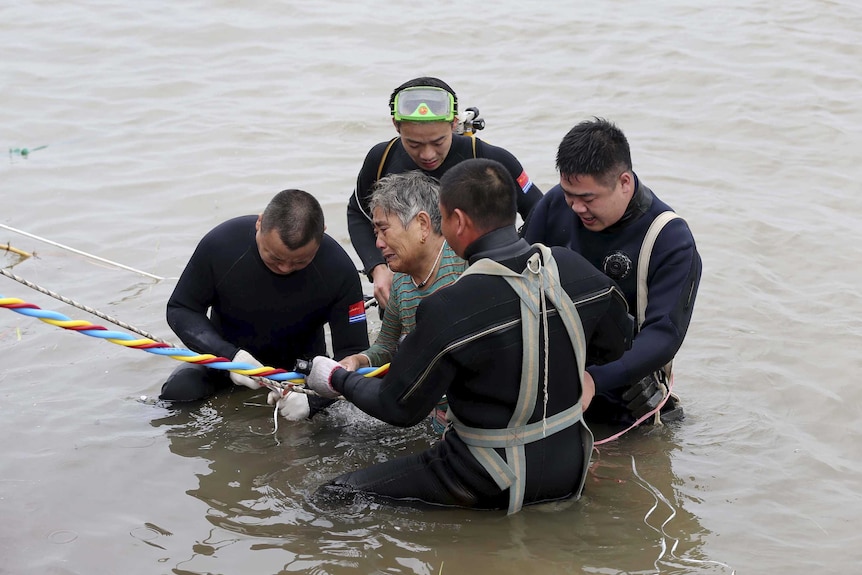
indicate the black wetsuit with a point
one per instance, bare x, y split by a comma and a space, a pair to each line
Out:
397, 162
455, 349
276, 318
672, 282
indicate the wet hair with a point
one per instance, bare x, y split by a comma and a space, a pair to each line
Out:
423, 81
407, 194
594, 148
296, 216
484, 190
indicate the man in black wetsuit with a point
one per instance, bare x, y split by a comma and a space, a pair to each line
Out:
601, 210
425, 113
270, 283
516, 434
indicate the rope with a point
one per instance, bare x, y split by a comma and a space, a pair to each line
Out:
273, 378
79, 252
658, 496
80, 306
643, 418
146, 344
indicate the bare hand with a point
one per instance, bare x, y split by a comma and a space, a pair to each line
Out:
382, 277
588, 390
354, 362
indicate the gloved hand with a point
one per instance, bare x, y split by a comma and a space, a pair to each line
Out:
242, 356
321, 372
644, 396
293, 406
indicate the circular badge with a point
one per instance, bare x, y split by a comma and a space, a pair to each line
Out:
617, 266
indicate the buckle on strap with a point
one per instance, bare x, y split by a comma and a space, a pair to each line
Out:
534, 264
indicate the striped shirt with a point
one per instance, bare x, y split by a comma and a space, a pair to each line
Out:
404, 298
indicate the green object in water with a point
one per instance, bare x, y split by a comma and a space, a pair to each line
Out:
24, 152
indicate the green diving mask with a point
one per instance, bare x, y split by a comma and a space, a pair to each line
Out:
424, 104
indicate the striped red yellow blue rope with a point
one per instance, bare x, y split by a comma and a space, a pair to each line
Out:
158, 348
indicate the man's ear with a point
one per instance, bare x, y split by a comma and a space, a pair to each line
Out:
257, 223
628, 182
463, 221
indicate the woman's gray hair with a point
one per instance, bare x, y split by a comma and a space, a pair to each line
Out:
407, 194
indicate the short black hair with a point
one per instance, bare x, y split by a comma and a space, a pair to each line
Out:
594, 148
296, 216
484, 190
422, 81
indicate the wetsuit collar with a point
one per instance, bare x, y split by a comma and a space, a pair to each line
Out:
638, 205
500, 244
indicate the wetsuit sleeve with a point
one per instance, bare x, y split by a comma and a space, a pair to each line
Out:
530, 193
359, 224
418, 377
191, 299
536, 224
551, 222
613, 331
347, 321
673, 279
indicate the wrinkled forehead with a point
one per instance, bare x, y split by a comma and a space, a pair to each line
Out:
383, 216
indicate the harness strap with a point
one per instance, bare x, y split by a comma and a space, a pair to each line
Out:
521, 435
536, 284
650, 238
662, 376
385, 155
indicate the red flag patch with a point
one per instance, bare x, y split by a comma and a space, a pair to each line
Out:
524, 181
356, 312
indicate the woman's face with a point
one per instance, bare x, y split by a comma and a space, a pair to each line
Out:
401, 247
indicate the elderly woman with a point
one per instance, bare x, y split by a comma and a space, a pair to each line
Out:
406, 219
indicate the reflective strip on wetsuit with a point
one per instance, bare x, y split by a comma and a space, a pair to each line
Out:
511, 472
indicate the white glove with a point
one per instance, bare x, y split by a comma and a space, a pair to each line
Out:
242, 356
293, 406
321, 372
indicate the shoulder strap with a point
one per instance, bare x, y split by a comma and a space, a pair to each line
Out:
385, 155
473, 137
643, 261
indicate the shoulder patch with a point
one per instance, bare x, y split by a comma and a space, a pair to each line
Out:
525, 182
356, 312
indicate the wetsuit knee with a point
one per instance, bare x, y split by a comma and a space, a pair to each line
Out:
192, 382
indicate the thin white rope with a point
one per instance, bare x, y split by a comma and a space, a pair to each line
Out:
81, 306
658, 496
79, 252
